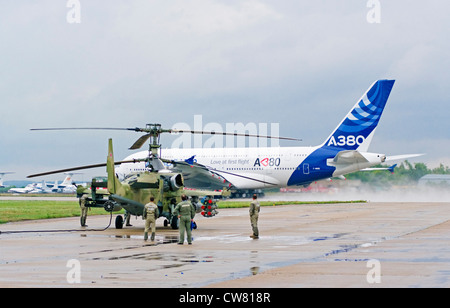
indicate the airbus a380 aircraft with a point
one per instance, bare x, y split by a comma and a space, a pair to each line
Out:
344, 151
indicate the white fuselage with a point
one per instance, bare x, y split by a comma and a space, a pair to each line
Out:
344, 151
252, 168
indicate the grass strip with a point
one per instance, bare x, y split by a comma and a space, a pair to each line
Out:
18, 210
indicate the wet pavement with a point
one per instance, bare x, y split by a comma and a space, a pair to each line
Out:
332, 245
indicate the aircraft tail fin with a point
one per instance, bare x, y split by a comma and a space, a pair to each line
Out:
113, 182
357, 128
67, 179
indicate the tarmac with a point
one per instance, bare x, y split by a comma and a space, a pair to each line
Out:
362, 245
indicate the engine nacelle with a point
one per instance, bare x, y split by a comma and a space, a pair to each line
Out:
197, 206
176, 181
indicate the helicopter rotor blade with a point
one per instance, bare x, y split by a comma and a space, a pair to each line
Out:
140, 142
229, 134
156, 131
136, 129
84, 167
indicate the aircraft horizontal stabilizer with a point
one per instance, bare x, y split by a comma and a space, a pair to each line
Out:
349, 157
355, 157
391, 169
402, 157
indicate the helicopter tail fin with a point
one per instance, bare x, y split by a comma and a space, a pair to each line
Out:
113, 181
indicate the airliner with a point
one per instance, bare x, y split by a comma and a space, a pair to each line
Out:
344, 151
67, 186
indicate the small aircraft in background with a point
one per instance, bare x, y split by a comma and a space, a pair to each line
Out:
2, 174
66, 186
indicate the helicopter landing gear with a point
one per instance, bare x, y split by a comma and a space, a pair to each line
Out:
174, 222
119, 222
83, 221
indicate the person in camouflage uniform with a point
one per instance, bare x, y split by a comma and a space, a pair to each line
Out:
254, 215
84, 210
185, 212
151, 213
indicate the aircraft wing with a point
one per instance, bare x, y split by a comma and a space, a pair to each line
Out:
203, 192
198, 176
203, 177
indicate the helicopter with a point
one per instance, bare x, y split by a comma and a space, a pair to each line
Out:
135, 190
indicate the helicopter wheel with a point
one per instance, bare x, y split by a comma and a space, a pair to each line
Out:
119, 222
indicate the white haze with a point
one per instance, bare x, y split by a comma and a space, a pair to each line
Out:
367, 193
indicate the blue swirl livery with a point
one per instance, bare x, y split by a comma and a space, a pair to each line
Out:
357, 128
344, 150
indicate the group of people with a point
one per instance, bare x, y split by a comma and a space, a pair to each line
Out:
185, 212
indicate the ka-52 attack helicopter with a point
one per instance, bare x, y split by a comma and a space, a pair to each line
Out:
131, 194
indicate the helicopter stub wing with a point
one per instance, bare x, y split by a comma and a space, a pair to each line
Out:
133, 207
198, 176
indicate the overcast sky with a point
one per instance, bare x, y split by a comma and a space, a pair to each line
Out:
302, 64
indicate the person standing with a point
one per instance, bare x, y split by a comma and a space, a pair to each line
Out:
254, 215
186, 213
151, 213
84, 210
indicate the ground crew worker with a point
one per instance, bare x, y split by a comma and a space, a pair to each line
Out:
186, 213
254, 215
151, 213
84, 210
127, 219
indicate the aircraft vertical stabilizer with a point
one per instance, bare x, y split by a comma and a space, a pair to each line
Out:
357, 128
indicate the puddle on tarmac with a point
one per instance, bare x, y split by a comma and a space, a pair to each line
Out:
324, 238
166, 239
256, 265
183, 258
282, 241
